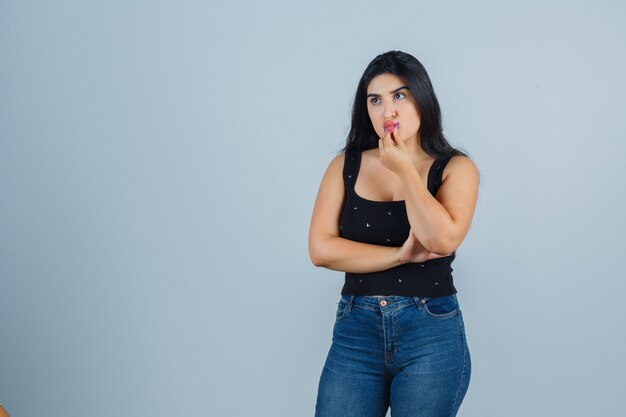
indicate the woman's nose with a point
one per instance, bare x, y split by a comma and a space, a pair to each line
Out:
389, 111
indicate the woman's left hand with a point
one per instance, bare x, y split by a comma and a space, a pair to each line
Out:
394, 157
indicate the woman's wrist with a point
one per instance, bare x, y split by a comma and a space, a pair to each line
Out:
398, 256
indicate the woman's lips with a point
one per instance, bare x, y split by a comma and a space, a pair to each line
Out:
389, 124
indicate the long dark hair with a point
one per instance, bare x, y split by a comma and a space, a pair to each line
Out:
362, 135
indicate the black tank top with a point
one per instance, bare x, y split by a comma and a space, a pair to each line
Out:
386, 223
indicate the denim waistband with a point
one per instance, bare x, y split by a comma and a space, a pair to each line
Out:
392, 302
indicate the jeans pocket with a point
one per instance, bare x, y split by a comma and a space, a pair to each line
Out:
441, 307
341, 309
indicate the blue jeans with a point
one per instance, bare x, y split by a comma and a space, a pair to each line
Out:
407, 353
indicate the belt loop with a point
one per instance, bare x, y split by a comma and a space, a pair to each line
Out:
418, 303
350, 300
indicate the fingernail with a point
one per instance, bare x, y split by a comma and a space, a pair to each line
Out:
385, 130
397, 125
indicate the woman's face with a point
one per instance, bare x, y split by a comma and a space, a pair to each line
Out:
389, 98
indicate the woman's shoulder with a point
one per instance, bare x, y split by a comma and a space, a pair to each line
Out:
336, 165
459, 165
339, 160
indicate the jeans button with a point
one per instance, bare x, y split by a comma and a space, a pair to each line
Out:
383, 302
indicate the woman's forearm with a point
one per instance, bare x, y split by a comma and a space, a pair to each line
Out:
426, 215
340, 254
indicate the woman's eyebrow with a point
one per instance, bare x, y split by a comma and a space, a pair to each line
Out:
391, 92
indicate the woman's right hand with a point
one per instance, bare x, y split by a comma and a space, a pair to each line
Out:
413, 251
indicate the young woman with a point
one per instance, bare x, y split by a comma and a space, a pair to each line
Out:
391, 210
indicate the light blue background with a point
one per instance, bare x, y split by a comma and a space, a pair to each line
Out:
159, 162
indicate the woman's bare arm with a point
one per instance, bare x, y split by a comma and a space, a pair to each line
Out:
326, 247
443, 222
340, 254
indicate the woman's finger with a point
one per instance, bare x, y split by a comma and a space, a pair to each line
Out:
387, 138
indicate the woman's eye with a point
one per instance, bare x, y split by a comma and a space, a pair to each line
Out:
376, 98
